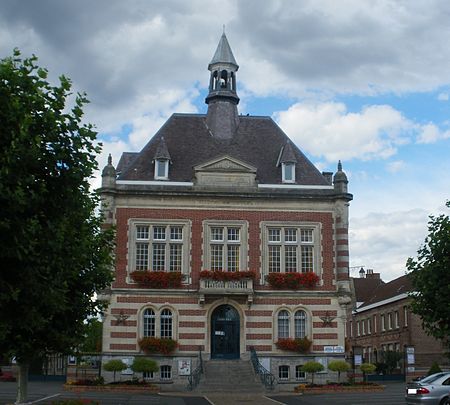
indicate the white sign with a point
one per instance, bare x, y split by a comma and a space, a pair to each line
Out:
219, 333
333, 349
128, 361
410, 358
358, 359
184, 367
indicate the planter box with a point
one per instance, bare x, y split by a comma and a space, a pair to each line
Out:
111, 388
331, 390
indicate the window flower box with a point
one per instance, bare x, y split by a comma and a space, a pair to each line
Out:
157, 279
299, 345
154, 345
227, 275
292, 281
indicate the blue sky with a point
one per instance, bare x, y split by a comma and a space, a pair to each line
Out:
365, 82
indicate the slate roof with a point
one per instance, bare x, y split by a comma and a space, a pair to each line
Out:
125, 161
365, 287
258, 142
388, 290
223, 53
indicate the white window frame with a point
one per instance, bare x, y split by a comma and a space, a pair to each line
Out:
184, 242
358, 331
396, 320
158, 320
163, 370
375, 323
284, 167
390, 320
383, 322
208, 242
315, 245
158, 175
300, 375
405, 316
292, 323
369, 326
283, 368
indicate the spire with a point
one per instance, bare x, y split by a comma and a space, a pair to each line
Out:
222, 117
223, 54
161, 151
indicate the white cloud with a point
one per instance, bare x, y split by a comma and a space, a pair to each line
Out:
443, 96
395, 166
329, 130
430, 133
384, 241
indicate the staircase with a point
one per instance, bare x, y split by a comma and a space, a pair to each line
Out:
232, 376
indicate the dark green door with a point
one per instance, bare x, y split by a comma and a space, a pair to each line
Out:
225, 333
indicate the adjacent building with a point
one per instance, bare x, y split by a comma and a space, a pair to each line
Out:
382, 322
228, 193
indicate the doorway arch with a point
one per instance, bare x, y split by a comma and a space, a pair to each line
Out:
225, 331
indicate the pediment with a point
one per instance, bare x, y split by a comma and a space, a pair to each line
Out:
225, 164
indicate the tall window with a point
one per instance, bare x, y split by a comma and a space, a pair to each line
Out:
299, 373
165, 372
283, 324
383, 322
288, 172
166, 324
390, 320
369, 326
159, 247
283, 372
149, 323
300, 324
161, 169
375, 323
225, 246
396, 321
290, 249
405, 316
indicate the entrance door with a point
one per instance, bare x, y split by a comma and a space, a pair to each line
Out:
225, 333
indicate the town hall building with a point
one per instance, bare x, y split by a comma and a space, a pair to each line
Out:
228, 239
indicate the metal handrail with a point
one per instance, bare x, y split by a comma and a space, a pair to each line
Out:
266, 377
194, 377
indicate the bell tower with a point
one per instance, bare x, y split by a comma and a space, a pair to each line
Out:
222, 117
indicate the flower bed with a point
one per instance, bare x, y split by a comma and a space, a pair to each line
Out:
332, 388
294, 345
112, 388
292, 281
157, 279
153, 345
227, 275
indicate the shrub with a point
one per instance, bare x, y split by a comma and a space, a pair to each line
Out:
157, 279
312, 367
339, 366
227, 275
434, 369
114, 366
367, 368
300, 345
152, 345
144, 365
292, 281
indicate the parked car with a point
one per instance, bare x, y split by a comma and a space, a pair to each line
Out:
432, 390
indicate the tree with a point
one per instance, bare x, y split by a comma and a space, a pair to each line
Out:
92, 341
114, 366
430, 277
339, 366
54, 253
367, 368
312, 367
434, 369
144, 365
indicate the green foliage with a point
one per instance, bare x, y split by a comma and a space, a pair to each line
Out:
312, 367
434, 369
144, 365
339, 366
92, 341
114, 366
430, 277
367, 368
54, 253
391, 358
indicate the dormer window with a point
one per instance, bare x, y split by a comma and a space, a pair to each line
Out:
288, 172
161, 169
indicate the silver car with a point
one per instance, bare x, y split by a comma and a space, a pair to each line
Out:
432, 390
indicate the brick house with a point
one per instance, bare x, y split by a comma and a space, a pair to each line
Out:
381, 321
226, 192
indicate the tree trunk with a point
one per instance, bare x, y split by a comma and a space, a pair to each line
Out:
22, 383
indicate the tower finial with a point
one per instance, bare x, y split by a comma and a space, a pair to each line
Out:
223, 28
109, 159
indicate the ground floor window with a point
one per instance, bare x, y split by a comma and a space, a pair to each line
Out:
299, 373
148, 375
165, 372
283, 372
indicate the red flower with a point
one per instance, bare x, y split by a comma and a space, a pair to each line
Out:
292, 281
157, 279
294, 345
152, 345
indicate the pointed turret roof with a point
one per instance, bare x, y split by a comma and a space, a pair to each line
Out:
223, 53
287, 154
162, 152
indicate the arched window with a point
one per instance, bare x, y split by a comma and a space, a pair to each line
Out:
166, 324
300, 324
283, 324
149, 322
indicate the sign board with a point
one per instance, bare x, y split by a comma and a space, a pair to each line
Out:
128, 361
411, 369
333, 349
358, 359
72, 360
410, 359
265, 362
184, 367
219, 333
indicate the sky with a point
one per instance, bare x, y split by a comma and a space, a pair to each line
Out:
364, 82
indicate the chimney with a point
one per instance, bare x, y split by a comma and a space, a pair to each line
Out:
372, 275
